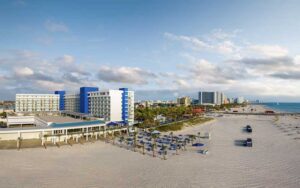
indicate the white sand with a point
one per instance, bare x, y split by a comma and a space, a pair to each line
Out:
274, 161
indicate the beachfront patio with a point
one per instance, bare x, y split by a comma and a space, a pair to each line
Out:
159, 145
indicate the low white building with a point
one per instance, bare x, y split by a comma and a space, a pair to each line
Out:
20, 120
160, 118
37, 103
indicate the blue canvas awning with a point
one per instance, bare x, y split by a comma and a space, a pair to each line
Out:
112, 124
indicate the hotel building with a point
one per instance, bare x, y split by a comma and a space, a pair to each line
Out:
37, 103
72, 102
77, 102
61, 99
113, 105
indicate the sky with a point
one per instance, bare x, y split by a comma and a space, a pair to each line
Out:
159, 49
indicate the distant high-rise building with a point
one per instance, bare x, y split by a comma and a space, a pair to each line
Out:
184, 101
211, 98
195, 101
231, 100
240, 100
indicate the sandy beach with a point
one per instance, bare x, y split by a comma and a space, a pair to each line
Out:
273, 161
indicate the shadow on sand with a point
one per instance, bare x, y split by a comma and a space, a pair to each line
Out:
239, 143
244, 130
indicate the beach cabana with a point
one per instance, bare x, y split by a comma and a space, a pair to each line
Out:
155, 132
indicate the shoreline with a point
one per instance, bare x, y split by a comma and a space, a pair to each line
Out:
261, 108
281, 110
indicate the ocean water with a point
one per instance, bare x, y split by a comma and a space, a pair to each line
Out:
283, 107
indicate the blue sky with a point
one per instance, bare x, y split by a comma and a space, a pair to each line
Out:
161, 49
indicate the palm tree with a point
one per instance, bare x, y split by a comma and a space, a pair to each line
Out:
154, 136
163, 148
134, 140
19, 143
192, 137
113, 138
143, 148
104, 136
176, 147
45, 138
121, 140
184, 144
171, 134
198, 136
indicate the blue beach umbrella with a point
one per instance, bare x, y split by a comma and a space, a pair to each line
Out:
198, 144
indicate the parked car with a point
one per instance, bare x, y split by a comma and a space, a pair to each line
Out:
248, 142
248, 129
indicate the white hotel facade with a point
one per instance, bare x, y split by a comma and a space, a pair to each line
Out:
112, 105
37, 103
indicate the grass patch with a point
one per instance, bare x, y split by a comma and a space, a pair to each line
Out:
180, 125
170, 127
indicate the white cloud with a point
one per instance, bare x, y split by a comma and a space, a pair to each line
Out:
195, 42
229, 66
226, 47
219, 34
27, 72
216, 43
130, 75
50, 85
248, 69
269, 50
181, 83
67, 59
23, 71
26, 54
297, 60
56, 26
